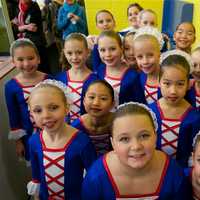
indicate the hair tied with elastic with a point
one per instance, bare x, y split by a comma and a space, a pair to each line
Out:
148, 30
146, 108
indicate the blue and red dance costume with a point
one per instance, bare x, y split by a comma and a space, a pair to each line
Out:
100, 185
188, 127
78, 154
101, 142
20, 122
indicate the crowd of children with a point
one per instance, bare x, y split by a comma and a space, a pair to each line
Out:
130, 121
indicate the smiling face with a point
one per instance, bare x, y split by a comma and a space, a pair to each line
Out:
132, 16
110, 51
184, 36
105, 21
48, 109
98, 100
26, 60
173, 84
147, 54
129, 50
196, 68
147, 19
76, 53
133, 140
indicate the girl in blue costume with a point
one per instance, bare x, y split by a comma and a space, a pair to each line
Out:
147, 44
135, 169
59, 153
78, 77
71, 18
193, 95
178, 121
124, 80
98, 101
26, 59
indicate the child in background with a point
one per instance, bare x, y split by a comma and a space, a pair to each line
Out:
26, 59
98, 101
184, 36
135, 169
78, 77
149, 18
193, 95
71, 18
124, 80
104, 22
147, 44
59, 153
128, 48
132, 13
178, 121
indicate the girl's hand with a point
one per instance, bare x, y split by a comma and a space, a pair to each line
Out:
91, 40
32, 27
20, 149
74, 17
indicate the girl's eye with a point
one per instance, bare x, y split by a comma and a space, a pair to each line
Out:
79, 52
181, 83
102, 50
166, 83
112, 48
104, 98
20, 59
90, 97
53, 107
124, 139
144, 136
37, 110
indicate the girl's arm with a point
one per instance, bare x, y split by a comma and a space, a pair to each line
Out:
33, 186
14, 111
62, 21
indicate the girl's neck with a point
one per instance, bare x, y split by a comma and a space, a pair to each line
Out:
154, 75
187, 50
99, 121
59, 133
79, 73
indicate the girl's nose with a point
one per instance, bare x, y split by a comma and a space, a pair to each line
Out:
135, 144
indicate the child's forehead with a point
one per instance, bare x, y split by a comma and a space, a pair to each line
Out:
186, 26
150, 41
103, 15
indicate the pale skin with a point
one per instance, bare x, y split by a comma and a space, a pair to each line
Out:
49, 109
134, 163
76, 54
26, 61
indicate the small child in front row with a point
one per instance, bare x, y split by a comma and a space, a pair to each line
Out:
98, 101
135, 169
193, 95
147, 44
59, 153
124, 80
78, 77
26, 59
178, 121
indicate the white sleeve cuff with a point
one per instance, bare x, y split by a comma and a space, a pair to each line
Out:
33, 188
16, 134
